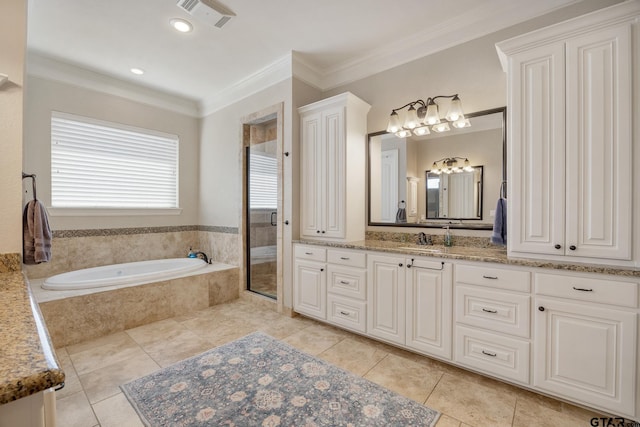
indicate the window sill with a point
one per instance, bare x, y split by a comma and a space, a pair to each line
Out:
111, 212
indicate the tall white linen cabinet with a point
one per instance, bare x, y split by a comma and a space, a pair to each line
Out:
570, 138
332, 168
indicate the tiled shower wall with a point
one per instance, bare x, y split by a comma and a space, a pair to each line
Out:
262, 232
77, 249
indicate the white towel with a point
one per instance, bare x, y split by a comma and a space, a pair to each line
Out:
36, 234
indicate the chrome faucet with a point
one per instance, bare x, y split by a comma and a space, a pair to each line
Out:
423, 239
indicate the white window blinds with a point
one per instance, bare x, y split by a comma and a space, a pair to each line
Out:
97, 164
263, 181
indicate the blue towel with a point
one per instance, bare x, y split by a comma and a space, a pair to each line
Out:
401, 215
499, 235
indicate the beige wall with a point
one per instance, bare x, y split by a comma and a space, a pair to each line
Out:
13, 33
44, 96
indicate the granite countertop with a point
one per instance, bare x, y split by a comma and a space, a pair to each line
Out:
473, 253
28, 363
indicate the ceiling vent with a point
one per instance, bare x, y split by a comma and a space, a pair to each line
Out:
207, 11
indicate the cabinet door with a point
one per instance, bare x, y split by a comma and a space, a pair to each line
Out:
536, 151
310, 289
311, 175
386, 298
586, 352
428, 305
334, 159
599, 139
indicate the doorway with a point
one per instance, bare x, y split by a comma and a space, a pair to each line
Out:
263, 206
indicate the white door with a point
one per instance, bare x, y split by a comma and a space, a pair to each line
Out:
311, 175
428, 305
310, 288
386, 297
586, 352
536, 151
599, 140
389, 185
334, 158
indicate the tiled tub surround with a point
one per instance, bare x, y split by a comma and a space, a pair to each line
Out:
78, 249
79, 315
28, 364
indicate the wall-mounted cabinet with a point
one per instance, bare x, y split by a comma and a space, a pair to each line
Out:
332, 168
570, 137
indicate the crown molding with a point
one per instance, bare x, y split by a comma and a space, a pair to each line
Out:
273, 73
49, 68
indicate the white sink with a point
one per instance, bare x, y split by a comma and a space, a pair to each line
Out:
413, 248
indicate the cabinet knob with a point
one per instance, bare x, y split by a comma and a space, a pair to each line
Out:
557, 246
572, 247
400, 265
286, 222
286, 153
318, 231
323, 231
541, 308
322, 269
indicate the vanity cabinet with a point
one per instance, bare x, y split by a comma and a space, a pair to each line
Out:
586, 351
410, 303
310, 281
347, 289
570, 137
332, 168
492, 312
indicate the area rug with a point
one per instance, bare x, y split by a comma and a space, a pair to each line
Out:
260, 381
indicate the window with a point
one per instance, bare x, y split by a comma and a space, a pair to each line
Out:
96, 164
263, 181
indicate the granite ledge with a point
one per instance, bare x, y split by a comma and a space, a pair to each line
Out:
468, 253
28, 363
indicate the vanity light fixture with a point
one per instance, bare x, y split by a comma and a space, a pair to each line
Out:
450, 165
418, 121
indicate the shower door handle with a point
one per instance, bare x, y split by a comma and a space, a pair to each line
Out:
274, 218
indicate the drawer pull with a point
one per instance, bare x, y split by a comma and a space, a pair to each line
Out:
344, 282
491, 277
345, 258
308, 253
486, 353
489, 311
582, 289
345, 313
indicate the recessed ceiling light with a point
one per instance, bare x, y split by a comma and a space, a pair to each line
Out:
137, 71
181, 25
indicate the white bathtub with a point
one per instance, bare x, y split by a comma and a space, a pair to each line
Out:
122, 274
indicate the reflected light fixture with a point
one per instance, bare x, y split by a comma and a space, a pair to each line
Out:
450, 165
419, 121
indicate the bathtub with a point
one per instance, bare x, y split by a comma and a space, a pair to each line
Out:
123, 274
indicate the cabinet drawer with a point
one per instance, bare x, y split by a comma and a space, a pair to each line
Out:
494, 310
347, 313
588, 289
350, 258
346, 281
314, 253
494, 277
493, 353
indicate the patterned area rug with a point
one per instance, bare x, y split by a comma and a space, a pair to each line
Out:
260, 381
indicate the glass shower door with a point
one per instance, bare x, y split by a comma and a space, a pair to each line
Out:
262, 216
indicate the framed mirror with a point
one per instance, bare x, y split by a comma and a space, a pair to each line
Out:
453, 177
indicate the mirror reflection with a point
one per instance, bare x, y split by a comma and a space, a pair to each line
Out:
429, 180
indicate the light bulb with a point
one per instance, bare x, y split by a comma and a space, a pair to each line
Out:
461, 123
467, 166
411, 121
181, 25
455, 110
404, 133
441, 127
432, 117
394, 123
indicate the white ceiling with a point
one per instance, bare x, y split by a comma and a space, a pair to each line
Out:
326, 43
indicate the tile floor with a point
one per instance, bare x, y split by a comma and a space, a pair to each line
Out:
96, 368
